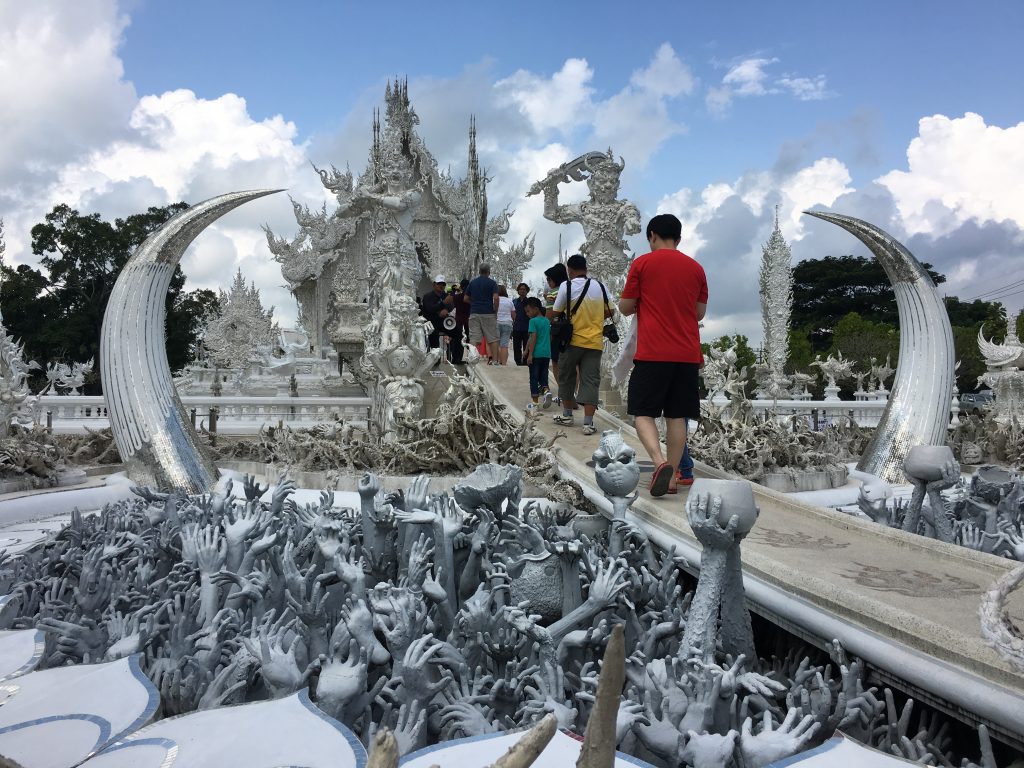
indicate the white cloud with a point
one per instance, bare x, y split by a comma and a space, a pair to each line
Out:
818, 184
666, 75
960, 169
180, 147
557, 103
805, 88
750, 77
61, 86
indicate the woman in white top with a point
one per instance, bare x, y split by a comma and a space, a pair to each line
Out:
506, 314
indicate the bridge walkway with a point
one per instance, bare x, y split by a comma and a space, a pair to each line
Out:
906, 604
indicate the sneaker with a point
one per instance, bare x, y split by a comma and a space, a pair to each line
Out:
565, 421
589, 429
545, 401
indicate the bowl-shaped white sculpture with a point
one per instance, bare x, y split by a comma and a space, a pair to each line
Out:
737, 499
925, 462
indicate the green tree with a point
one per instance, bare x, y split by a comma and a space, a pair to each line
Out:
57, 310
859, 340
800, 351
966, 318
826, 290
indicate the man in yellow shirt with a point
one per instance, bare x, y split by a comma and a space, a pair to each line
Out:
585, 300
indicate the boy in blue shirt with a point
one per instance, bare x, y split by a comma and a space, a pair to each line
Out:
538, 350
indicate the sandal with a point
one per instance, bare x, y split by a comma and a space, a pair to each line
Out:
661, 478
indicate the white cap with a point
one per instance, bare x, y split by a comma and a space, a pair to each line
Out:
440, 279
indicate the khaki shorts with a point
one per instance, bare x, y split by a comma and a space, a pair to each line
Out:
589, 380
483, 327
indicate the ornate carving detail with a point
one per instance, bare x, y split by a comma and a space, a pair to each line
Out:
795, 540
910, 583
776, 283
68, 377
243, 332
16, 399
604, 218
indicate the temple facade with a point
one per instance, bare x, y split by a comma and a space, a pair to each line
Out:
397, 224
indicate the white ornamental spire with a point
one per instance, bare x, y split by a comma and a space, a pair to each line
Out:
776, 298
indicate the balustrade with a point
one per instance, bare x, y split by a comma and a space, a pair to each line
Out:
73, 412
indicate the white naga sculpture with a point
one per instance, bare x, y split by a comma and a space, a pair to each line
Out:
776, 284
67, 377
605, 218
16, 399
835, 369
1004, 373
507, 262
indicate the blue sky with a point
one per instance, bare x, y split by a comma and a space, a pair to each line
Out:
887, 64
906, 113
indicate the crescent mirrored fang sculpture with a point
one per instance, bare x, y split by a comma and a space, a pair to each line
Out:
918, 409
156, 439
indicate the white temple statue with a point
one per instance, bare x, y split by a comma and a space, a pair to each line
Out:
834, 368
357, 270
244, 331
605, 218
61, 376
16, 399
1004, 372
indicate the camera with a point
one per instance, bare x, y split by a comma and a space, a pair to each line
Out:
611, 333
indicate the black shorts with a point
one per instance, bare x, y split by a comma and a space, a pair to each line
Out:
664, 389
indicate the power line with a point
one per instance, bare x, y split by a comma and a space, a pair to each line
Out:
997, 290
1006, 295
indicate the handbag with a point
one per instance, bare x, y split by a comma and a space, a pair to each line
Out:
561, 327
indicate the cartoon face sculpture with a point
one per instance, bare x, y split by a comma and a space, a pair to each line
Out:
615, 465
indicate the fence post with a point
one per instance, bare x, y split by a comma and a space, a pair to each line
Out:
192, 415
213, 425
814, 417
49, 422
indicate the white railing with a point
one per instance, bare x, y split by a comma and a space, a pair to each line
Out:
234, 414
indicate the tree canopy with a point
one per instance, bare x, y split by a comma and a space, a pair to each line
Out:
826, 290
847, 304
57, 310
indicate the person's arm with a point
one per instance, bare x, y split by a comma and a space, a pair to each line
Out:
497, 300
630, 296
530, 345
701, 310
559, 305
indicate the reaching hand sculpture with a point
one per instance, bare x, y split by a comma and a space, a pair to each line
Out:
238, 599
720, 513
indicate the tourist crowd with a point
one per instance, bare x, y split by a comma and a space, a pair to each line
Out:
562, 338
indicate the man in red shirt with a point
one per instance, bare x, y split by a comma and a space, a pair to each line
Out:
668, 293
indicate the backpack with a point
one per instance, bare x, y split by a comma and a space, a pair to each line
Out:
561, 327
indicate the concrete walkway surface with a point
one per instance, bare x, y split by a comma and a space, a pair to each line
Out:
905, 603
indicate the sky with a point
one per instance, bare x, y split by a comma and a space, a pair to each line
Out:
909, 115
